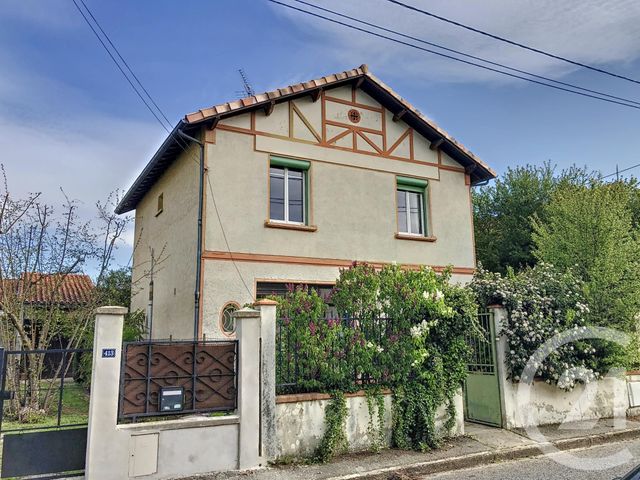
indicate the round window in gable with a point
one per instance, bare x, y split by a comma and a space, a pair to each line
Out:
354, 115
227, 323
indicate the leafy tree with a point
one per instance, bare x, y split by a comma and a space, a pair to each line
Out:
115, 289
503, 208
590, 229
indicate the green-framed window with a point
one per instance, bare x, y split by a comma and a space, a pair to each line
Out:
411, 200
289, 190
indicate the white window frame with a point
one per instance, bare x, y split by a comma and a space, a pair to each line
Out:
286, 196
423, 233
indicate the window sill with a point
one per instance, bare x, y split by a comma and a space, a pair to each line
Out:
419, 238
158, 212
290, 226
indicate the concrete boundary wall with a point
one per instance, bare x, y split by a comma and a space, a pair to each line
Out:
300, 423
547, 404
178, 447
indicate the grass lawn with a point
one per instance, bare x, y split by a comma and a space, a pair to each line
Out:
75, 409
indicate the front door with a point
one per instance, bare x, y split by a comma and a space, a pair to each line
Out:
482, 388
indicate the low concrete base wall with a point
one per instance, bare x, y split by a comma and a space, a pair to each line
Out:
547, 404
174, 448
300, 423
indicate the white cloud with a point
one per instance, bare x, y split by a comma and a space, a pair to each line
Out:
52, 137
52, 14
603, 32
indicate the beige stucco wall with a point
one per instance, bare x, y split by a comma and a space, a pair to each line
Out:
301, 425
352, 204
172, 237
222, 284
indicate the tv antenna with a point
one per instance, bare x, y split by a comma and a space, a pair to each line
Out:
247, 88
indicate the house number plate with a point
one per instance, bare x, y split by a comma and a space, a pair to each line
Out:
108, 353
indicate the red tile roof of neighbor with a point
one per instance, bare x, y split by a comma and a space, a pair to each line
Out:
38, 288
360, 76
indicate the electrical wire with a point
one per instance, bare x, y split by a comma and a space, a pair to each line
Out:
458, 52
125, 63
178, 140
514, 43
622, 171
379, 35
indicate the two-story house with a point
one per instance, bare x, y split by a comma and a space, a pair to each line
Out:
295, 184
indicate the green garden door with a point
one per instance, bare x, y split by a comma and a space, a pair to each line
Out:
482, 388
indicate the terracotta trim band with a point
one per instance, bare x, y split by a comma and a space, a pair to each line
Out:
323, 262
310, 397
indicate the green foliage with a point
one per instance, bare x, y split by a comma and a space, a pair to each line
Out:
590, 229
375, 408
397, 327
502, 210
114, 289
414, 409
312, 339
541, 302
334, 440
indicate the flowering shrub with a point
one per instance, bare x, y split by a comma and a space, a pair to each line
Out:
542, 302
398, 329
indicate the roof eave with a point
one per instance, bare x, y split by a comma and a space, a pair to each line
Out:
130, 200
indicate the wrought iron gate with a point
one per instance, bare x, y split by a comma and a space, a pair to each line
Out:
43, 412
482, 387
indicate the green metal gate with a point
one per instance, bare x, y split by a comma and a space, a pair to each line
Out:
482, 388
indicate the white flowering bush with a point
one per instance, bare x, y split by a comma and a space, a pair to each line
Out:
541, 302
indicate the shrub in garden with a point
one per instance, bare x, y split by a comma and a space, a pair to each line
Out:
398, 329
541, 302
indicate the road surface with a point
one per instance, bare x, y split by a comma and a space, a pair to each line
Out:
545, 468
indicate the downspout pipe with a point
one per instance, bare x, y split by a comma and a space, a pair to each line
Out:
196, 310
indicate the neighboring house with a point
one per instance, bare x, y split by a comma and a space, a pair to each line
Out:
307, 179
34, 296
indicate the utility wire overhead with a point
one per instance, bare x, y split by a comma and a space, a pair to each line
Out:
118, 65
125, 63
181, 143
458, 52
417, 47
618, 172
514, 43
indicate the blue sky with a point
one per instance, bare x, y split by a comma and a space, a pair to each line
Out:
68, 118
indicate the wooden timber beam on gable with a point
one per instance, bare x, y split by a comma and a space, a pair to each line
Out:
268, 108
436, 143
315, 94
214, 123
398, 115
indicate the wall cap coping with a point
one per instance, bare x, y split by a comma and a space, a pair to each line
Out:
246, 312
310, 397
196, 421
112, 310
266, 302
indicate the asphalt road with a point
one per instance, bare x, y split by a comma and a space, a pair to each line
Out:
545, 468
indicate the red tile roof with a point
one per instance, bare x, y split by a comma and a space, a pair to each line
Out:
38, 288
361, 71
361, 76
